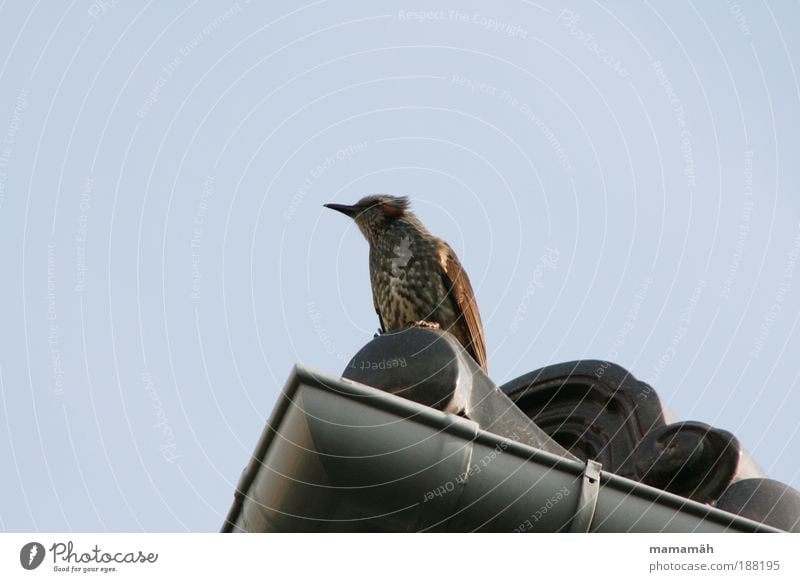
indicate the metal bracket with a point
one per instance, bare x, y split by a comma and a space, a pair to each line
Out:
590, 487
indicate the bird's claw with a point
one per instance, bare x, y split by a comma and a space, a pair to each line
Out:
425, 324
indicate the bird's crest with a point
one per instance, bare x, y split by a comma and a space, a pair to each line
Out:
395, 207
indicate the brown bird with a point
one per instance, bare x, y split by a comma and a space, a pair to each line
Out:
416, 277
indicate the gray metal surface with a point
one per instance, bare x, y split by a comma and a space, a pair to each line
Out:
340, 456
599, 410
431, 367
764, 500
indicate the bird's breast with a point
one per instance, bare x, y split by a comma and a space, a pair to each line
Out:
407, 287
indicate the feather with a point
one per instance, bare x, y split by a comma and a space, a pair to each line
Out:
468, 327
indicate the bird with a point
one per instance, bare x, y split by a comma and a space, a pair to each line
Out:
416, 277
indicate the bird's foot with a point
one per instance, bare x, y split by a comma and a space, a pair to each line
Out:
378, 333
425, 324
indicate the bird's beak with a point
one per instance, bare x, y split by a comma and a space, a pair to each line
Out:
350, 211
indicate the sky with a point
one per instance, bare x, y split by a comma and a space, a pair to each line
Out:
620, 180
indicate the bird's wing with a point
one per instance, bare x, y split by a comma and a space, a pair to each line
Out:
468, 318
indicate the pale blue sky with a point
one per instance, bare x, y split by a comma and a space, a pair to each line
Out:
620, 180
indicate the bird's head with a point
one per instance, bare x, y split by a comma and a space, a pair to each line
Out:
374, 213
